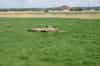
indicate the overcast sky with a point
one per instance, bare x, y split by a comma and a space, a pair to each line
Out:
46, 3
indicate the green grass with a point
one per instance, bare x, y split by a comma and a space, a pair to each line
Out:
78, 46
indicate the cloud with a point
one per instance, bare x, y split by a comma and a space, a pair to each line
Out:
46, 3
38, 1
88, 0
11, 3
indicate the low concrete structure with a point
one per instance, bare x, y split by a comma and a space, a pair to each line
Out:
46, 29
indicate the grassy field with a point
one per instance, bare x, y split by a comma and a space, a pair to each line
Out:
78, 46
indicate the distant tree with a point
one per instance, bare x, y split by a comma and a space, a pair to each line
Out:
76, 9
46, 10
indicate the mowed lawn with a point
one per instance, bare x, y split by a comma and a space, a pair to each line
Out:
78, 46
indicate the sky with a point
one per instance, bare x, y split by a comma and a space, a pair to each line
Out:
46, 3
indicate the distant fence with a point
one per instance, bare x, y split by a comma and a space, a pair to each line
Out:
41, 12
77, 12
71, 14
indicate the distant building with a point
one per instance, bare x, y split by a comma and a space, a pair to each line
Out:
63, 8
